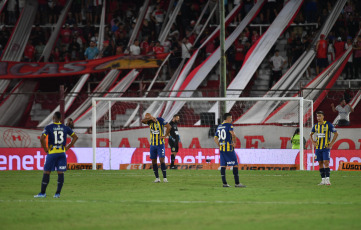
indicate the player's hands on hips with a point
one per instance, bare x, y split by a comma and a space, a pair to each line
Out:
314, 142
330, 145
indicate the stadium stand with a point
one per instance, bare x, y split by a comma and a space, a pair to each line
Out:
82, 25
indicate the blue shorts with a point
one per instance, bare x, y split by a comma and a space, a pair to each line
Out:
55, 161
322, 154
228, 158
157, 150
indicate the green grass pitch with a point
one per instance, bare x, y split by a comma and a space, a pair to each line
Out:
191, 200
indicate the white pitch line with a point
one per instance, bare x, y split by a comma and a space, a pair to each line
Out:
44, 200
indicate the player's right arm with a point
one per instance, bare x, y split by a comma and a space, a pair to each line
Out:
311, 136
73, 140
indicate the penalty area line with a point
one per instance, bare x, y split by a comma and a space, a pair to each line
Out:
42, 200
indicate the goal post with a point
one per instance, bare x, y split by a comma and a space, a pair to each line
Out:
115, 119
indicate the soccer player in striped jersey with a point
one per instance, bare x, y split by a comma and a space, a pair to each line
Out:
157, 147
225, 139
55, 158
323, 130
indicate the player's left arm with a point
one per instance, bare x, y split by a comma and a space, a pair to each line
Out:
351, 109
73, 140
233, 137
335, 135
169, 127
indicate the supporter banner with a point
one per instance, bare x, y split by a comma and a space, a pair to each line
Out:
209, 166
12, 70
345, 166
249, 159
248, 137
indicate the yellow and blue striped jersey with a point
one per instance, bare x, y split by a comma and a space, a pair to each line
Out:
225, 137
156, 131
323, 133
57, 133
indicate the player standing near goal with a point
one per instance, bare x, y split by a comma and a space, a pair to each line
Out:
55, 158
157, 147
323, 130
174, 139
225, 139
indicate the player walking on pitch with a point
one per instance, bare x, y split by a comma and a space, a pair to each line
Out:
157, 147
323, 130
174, 139
225, 139
55, 158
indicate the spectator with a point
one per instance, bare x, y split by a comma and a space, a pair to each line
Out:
158, 18
74, 50
70, 19
134, 49
191, 37
277, 62
210, 48
98, 5
349, 66
76, 8
107, 49
91, 52
158, 48
52, 11
244, 38
56, 54
89, 8
357, 57
186, 47
65, 35
344, 111
297, 49
167, 45
39, 48
339, 47
29, 52
174, 32
330, 51
239, 56
145, 46
255, 36
321, 49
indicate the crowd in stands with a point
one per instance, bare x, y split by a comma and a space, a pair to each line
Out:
79, 35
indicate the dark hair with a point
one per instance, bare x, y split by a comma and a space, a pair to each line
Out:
296, 131
57, 115
176, 115
320, 112
226, 115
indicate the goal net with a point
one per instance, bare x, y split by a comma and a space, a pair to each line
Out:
264, 128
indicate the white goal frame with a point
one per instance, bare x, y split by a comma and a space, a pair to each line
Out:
301, 101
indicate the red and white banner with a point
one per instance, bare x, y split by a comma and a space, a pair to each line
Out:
34, 158
248, 137
12, 70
